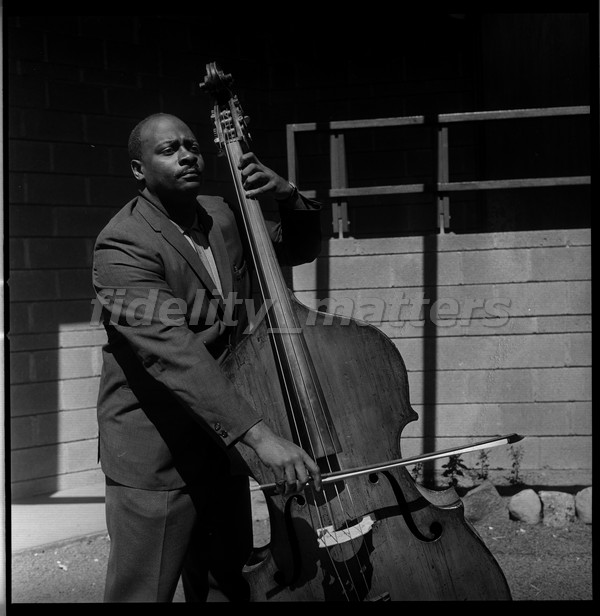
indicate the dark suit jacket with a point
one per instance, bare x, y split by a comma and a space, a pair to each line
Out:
167, 414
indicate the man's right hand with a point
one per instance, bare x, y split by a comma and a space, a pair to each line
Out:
290, 464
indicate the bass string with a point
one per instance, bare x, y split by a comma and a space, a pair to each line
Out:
349, 492
288, 394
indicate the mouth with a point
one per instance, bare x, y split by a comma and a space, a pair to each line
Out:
190, 173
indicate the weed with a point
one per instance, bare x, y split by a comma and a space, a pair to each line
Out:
516, 454
416, 471
454, 468
483, 465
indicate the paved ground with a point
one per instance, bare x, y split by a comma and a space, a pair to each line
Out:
540, 563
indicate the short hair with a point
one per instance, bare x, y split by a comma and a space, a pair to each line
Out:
134, 144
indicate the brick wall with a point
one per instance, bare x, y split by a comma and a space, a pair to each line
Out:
495, 331
76, 88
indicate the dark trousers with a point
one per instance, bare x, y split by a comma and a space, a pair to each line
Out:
157, 536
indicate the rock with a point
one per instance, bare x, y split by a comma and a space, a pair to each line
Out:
558, 508
482, 502
583, 505
525, 506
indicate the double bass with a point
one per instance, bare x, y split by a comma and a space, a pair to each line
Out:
339, 388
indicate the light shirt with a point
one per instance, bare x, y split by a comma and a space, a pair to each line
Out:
199, 242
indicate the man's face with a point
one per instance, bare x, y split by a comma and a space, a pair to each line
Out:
171, 164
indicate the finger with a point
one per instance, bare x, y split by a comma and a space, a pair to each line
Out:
279, 476
291, 480
248, 171
280, 486
259, 190
315, 472
297, 478
255, 179
302, 475
246, 159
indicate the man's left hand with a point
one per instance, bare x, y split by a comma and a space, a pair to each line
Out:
258, 180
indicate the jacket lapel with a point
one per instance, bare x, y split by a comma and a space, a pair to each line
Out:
160, 222
219, 250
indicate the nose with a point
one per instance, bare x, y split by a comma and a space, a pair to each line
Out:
187, 157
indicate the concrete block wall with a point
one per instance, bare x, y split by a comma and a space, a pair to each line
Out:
495, 331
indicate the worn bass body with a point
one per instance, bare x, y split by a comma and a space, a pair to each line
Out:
374, 537
339, 388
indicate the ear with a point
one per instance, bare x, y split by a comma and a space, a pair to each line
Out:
136, 167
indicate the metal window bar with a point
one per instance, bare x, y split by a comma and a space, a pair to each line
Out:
340, 192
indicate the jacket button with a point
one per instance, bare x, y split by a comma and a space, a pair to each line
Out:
217, 426
224, 433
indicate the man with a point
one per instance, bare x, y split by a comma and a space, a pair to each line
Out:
169, 419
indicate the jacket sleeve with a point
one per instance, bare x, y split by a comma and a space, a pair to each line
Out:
297, 237
127, 271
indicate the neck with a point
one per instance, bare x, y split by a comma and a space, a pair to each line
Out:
182, 211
